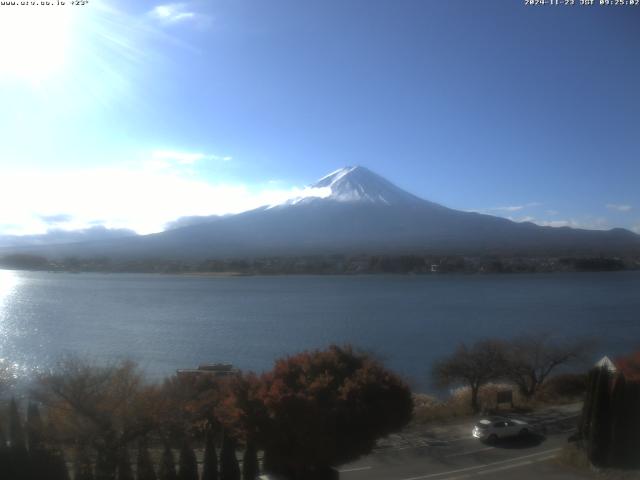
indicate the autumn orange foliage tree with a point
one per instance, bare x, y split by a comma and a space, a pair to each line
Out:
103, 407
313, 411
241, 410
327, 407
187, 406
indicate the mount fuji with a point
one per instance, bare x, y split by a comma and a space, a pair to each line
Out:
358, 184
355, 211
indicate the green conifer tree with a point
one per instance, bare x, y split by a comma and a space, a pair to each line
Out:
584, 424
626, 424
600, 423
124, 465
250, 467
633, 401
3, 439
188, 463
229, 468
82, 468
101, 469
144, 465
58, 466
19, 466
210, 466
17, 439
619, 421
42, 462
106, 464
4, 453
167, 470
35, 428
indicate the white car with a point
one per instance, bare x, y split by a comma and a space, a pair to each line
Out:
495, 428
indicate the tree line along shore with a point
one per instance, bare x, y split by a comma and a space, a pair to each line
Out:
330, 264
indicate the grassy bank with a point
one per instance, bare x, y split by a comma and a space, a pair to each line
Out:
560, 390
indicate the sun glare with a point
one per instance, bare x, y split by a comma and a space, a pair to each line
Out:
34, 41
8, 282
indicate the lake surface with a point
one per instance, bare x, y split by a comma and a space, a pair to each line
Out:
167, 322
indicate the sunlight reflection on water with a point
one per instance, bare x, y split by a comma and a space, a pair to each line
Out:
9, 282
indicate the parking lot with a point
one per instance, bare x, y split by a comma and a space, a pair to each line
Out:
447, 452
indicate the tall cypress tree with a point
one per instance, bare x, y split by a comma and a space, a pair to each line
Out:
58, 466
106, 463
633, 400
250, 467
619, 421
17, 439
167, 470
188, 463
210, 467
35, 428
124, 465
600, 423
19, 467
3, 439
628, 438
102, 469
144, 465
43, 462
229, 468
584, 425
4, 453
82, 468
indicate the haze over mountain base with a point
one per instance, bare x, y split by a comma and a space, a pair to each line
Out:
351, 212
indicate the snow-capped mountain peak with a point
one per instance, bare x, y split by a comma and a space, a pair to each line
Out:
359, 184
352, 185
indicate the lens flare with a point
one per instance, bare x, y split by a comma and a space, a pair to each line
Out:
34, 41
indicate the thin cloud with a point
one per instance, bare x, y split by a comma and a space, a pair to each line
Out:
589, 223
57, 218
558, 223
618, 207
178, 160
173, 13
515, 208
167, 157
297, 195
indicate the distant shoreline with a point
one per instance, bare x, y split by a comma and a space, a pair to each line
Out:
398, 264
223, 275
213, 274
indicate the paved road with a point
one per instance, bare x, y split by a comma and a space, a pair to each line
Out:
448, 457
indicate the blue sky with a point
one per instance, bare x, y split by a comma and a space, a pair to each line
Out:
131, 114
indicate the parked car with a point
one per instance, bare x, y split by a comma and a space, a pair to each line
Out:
493, 429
